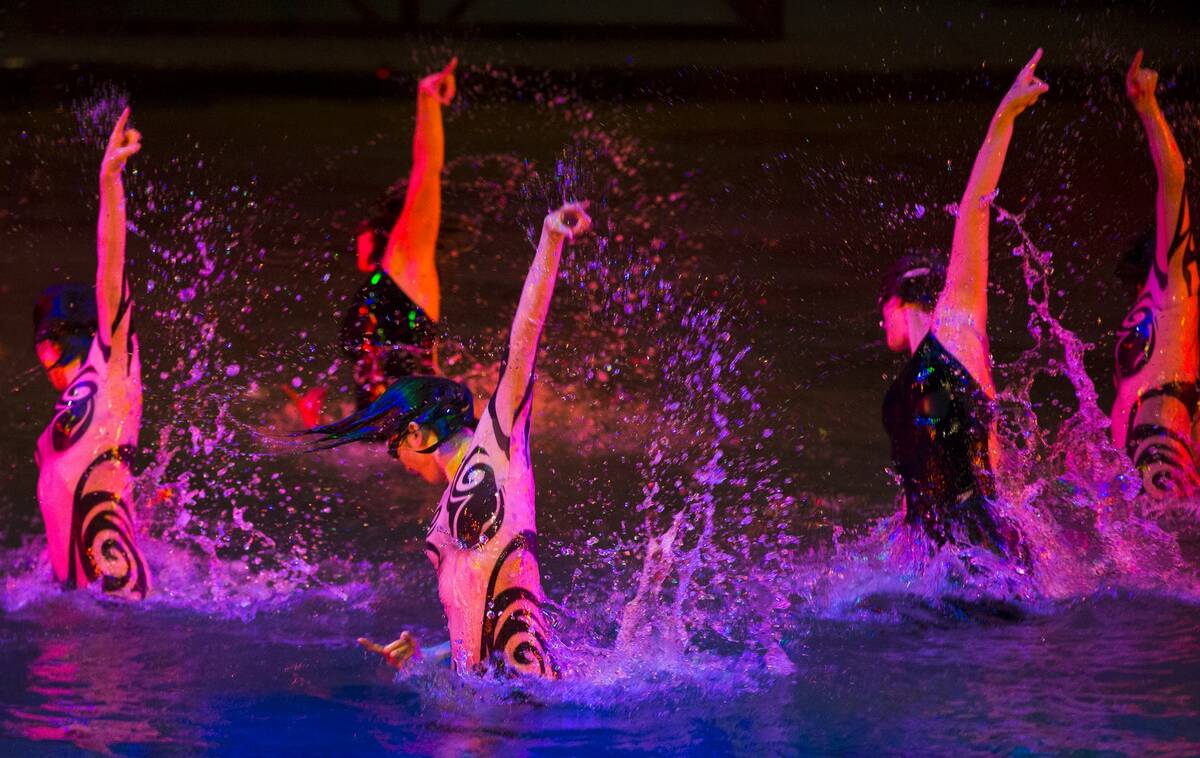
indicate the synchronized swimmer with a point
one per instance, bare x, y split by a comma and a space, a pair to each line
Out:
939, 412
86, 342
389, 330
1156, 414
483, 538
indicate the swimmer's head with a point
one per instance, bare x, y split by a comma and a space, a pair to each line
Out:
371, 238
1133, 267
914, 282
64, 324
415, 416
412, 447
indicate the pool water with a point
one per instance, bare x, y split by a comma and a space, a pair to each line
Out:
1113, 675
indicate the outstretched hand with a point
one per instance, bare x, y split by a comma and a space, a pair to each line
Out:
1140, 84
1026, 89
441, 85
397, 654
570, 221
122, 143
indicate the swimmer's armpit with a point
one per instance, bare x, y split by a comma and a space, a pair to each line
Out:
962, 321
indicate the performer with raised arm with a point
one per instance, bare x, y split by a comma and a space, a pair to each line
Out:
85, 341
483, 539
1154, 416
938, 411
389, 330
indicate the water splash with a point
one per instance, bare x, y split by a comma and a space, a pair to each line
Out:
1076, 501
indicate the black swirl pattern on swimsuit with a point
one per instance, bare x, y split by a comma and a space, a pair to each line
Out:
1164, 456
434, 555
1182, 243
475, 507
513, 636
102, 535
502, 439
1135, 342
1138, 333
74, 410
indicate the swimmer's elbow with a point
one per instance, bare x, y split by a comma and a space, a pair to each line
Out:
1171, 178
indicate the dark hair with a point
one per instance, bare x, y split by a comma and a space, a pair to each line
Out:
441, 404
66, 315
383, 218
917, 277
1134, 264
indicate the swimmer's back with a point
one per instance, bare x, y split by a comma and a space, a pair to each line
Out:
85, 479
483, 544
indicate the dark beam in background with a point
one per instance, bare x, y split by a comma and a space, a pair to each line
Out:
364, 10
410, 13
460, 8
763, 17
49, 84
753, 20
738, 49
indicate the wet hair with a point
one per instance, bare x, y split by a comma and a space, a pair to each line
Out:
382, 219
1134, 264
917, 277
440, 404
65, 314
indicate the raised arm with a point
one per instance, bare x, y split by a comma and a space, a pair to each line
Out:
965, 292
960, 318
409, 258
1173, 238
567, 223
112, 291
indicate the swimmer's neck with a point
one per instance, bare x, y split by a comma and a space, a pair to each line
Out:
450, 454
919, 324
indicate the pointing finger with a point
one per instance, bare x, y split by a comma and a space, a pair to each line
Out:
1133, 67
119, 129
397, 646
1032, 64
371, 646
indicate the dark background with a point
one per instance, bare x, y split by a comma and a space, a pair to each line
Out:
805, 133
718, 48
